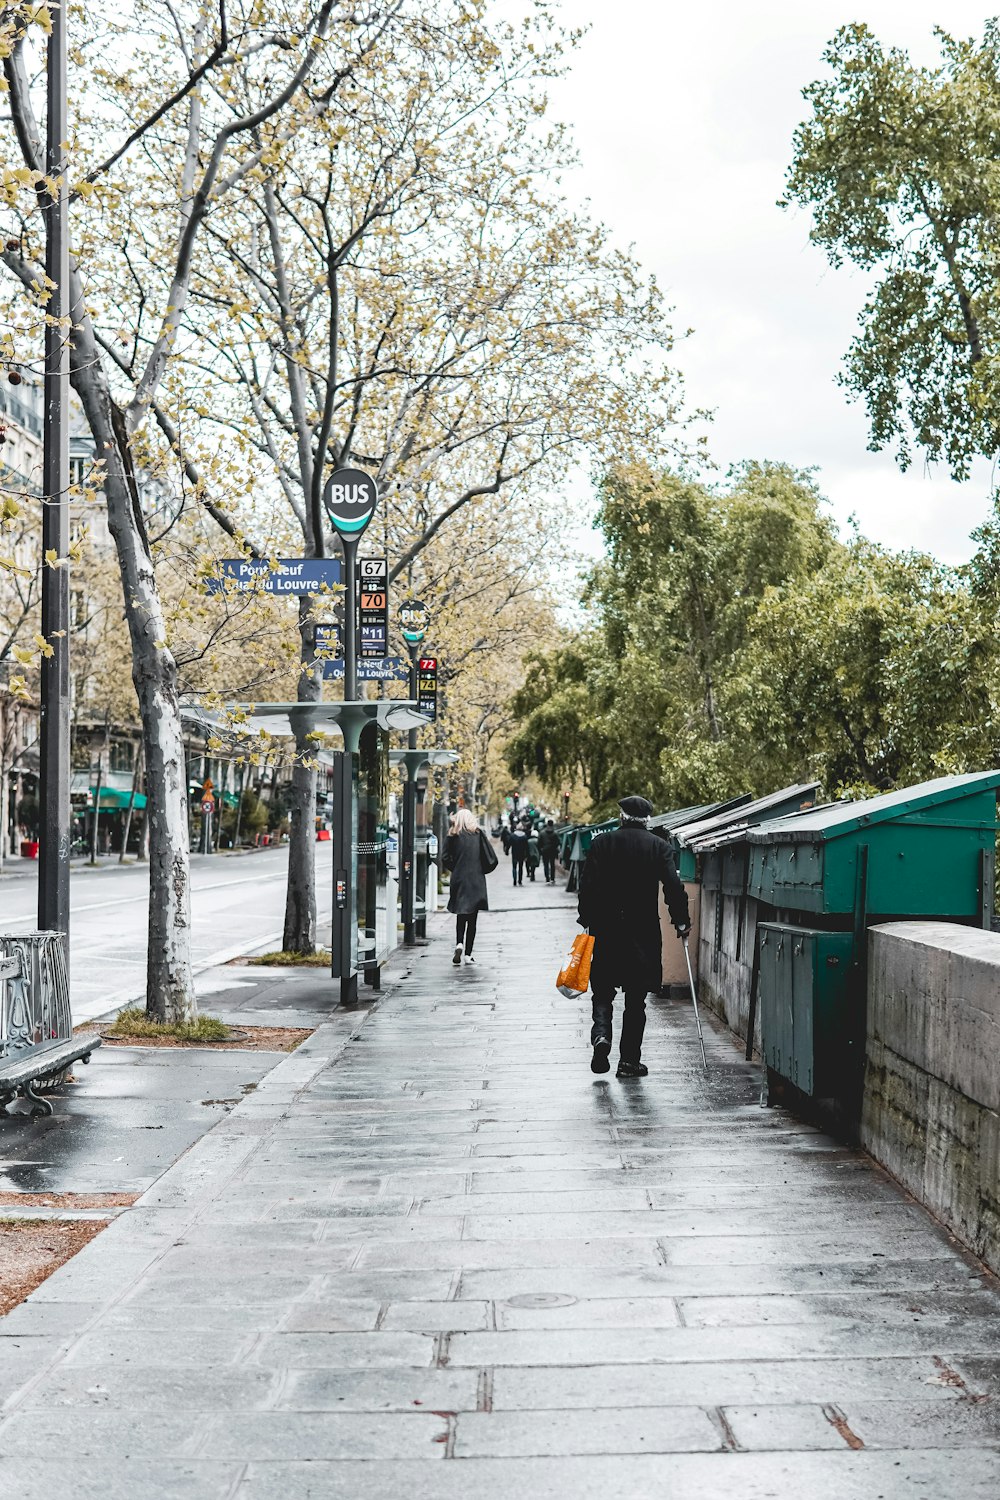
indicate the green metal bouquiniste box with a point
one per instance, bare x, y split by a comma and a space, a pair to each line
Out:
825, 876
925, 846
802, 973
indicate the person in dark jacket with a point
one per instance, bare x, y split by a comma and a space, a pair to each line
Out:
533, 856
548, 845
619, 905
518, 852
470, 858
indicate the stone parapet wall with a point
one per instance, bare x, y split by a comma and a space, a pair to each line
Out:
931, 1110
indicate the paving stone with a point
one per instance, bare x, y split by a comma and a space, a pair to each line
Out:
729, 1382
326, 1435
103, 1434
970, 1474
114, 1478
878, 1424
343, 1351
672, 1429
197, 1390
438, 1317
379, 1390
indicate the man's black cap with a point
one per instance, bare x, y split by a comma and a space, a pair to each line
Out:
636, 807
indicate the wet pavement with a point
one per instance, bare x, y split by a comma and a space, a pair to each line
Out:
133, 1111
431, 1253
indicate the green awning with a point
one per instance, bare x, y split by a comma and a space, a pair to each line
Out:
113, 798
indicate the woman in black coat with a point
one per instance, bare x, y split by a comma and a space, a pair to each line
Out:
469, 856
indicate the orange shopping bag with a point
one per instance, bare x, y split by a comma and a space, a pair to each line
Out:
574, 976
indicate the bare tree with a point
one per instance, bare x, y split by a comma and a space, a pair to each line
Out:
132, 267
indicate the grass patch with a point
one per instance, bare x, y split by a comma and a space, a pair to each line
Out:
283, 959
134, 1022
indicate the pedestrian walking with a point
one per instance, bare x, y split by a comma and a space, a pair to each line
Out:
619, 905
532, 858
518, 852
548, 845
470, 857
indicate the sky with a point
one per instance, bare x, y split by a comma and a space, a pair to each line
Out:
683, 115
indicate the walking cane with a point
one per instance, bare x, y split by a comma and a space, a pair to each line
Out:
694, 999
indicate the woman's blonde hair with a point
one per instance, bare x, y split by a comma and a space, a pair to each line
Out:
463, 822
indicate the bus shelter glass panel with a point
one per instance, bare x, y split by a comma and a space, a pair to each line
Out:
372, 844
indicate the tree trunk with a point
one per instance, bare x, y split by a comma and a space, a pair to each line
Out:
300, 896
169, 982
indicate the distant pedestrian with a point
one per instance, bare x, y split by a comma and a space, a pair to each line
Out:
505, 838
470, 857
619, 905
518, 852
548, 844
532, 857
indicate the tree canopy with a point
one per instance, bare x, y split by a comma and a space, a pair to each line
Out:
897, 164
734, 643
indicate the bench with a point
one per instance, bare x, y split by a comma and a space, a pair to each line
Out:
37, 1044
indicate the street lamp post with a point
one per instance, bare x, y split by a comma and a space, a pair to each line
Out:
350, 497
54, 800
414, 618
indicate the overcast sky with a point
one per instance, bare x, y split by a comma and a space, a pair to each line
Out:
684, 115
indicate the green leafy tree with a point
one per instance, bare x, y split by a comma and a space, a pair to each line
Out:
642, 701
897, 165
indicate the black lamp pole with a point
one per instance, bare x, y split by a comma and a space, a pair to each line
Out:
54, 802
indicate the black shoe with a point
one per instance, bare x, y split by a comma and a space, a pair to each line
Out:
631, 1069
599, 1062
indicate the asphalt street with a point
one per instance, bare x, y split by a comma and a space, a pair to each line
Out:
237, 904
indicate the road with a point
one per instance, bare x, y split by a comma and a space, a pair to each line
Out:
237, 904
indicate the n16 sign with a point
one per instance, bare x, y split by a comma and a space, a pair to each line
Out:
427, 686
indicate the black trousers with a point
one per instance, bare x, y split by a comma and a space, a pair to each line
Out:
633, 1022
465, 929
517, 865
549, 866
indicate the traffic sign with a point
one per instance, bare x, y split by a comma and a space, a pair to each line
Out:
373, 607
414, 617
208, 804
328, 638
427, 686
290, 575
383, 669
350, 498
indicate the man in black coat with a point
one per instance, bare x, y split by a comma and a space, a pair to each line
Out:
548, 848
619, 904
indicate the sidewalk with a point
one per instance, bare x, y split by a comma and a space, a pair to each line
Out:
431, 1254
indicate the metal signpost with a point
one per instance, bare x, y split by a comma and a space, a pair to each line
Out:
54, 778
350, 498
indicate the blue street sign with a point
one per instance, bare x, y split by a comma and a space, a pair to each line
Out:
377, 669
292, 575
